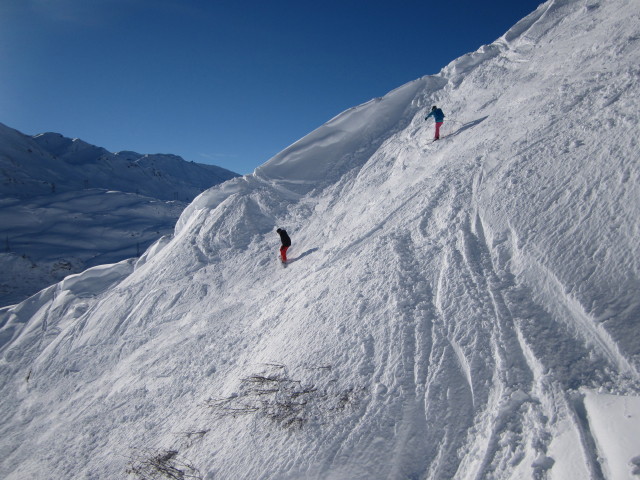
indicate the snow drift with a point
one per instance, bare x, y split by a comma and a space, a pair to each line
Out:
463, 309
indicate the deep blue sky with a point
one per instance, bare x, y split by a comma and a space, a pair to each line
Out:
225, 82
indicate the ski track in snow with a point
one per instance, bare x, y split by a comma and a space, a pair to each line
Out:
462, 309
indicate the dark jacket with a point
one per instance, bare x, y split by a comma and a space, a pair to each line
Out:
286, 241
438, 115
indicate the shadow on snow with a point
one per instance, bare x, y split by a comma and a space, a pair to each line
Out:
303, 254
466, 126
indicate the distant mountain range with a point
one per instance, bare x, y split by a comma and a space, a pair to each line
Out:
67, 205
52, 163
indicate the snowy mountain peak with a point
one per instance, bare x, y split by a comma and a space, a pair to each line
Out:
73, 151
457, 309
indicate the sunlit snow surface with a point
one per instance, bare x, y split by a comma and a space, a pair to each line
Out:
463, 309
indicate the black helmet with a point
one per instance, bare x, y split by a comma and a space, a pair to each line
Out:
434, 107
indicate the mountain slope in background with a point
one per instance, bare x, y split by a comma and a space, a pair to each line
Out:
50, 163
463, 309
67, 205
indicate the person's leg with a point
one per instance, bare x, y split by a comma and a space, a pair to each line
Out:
438, 125
283, 253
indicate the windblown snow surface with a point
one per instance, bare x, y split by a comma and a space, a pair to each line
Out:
465, 309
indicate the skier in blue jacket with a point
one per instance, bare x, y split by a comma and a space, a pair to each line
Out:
438, 116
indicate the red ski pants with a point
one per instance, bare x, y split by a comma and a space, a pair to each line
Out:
283, 253
438, 125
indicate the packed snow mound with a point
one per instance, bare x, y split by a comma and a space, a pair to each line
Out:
459, 309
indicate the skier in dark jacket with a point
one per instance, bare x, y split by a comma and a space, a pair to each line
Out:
286, 243
438, 116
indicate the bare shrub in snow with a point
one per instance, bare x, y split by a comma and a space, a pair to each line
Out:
288, 402
161, 464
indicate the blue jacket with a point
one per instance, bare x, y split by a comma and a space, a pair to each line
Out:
438, 115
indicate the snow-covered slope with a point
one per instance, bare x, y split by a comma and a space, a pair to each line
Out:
67, 205
463, 309
48, 237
